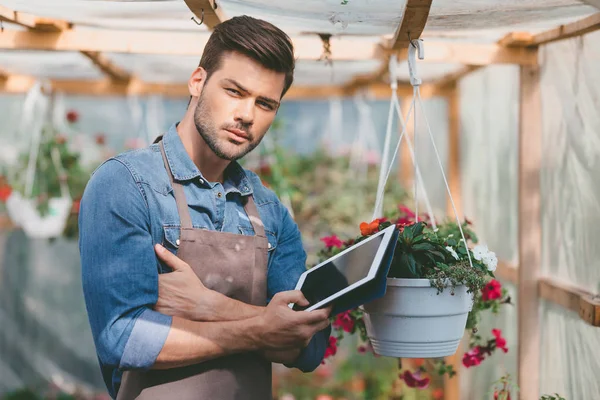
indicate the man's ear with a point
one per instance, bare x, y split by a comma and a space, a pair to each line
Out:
197, 81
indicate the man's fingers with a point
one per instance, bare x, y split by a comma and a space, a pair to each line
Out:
292, 296
313, 317
169, 258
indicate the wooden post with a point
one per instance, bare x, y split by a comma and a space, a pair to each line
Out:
530, 232
452, 385
406, 164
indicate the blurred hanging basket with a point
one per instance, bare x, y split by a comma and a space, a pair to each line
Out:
39, 197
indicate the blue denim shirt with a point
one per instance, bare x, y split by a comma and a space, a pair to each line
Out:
127, 207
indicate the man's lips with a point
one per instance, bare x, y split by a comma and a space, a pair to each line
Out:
239, 133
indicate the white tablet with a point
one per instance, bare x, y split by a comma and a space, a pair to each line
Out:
347, 272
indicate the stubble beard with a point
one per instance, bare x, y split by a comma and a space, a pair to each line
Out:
209, 134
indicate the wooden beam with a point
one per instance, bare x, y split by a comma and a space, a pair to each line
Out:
516, 39
413, 22
32, 22
572, 298
112, 41
172, 43
530, 232
507, 272
450, 80
114, 72
14, 17
578, 28
360, 81
22, 83
213, 13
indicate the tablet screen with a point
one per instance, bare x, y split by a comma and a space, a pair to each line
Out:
342, 272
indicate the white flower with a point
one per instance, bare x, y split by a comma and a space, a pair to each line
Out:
480, 251
491, 261
451, 251
451, 235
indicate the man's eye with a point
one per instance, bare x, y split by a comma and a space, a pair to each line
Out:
265, 105
233, 91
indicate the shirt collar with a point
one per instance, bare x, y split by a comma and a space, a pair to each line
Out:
184, 169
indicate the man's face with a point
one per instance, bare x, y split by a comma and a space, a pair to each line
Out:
237, 105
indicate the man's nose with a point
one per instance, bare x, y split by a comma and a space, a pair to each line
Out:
244, 112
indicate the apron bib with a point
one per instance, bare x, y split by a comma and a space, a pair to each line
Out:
236, 266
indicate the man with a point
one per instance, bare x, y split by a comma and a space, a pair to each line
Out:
204, 329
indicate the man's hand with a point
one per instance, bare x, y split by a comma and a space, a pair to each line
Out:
182, 294
284, 329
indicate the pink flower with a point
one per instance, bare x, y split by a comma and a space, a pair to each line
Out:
362, 349
331, 347
491, 291
500, 341
332, 241
344, 321
414, 380
473, 357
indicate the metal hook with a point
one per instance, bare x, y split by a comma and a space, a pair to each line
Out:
416, 46
201, 20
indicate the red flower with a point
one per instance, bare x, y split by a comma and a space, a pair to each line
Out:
100, 139
344, 321
414, 380
367, 229
418, 362
75, 207
331, 347
362, 349
500, 341
264, 169
382, 220
468, 221
332, 241
406, 211
5, 192
491, 291
72, 116
473, 357
501, 395
60, 139
437, 394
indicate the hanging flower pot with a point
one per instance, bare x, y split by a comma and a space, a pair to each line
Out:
415, 320
429, 292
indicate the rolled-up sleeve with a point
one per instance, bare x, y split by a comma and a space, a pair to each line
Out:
286, 264
119, 270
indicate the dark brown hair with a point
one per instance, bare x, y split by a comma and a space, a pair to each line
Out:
254, 38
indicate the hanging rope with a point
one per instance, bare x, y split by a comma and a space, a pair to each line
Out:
416, 45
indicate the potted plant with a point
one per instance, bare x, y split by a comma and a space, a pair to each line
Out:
430, 287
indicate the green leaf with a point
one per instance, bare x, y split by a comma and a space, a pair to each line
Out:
418, 229
424, 246
412, 265
407, 234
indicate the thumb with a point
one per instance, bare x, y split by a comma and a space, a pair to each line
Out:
176, 263
292, 296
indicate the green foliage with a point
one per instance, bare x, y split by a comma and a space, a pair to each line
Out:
54, 149
556, 396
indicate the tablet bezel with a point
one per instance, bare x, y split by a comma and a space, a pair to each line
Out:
387, 234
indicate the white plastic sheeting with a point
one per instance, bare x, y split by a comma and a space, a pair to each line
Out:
570, 85
489, 115
570, 80
166, 15
489, 105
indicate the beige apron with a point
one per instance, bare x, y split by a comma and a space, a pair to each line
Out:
235, 265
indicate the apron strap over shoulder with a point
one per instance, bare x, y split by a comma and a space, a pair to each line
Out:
252, 211
182, 206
